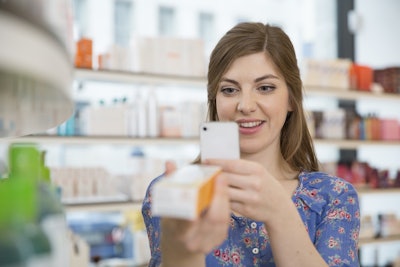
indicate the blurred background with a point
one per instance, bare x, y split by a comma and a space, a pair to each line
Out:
96, 95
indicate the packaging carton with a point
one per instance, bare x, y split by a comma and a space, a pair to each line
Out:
185, 193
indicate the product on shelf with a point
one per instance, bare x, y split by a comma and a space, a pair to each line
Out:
368, 228
343, 74
37, 209
84, 183
22, 240
363, 76
159, 55
389, 225
348, 124
142, 116
84, 53
329, 74
389, 78
362, 175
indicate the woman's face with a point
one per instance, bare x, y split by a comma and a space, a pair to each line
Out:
254, 94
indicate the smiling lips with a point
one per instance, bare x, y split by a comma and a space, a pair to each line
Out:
249, 127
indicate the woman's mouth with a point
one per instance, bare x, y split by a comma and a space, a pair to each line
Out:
249, 124
250, 127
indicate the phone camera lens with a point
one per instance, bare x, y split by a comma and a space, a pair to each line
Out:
204, 128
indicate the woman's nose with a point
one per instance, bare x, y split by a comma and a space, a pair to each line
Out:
247, 103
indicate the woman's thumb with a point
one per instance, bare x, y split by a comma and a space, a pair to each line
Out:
170, 167
220, 202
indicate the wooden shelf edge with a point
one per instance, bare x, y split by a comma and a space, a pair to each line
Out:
125, 140
111, 140
373, 191
137, 77
381, 240
152, 78
103, 206
354, 144
347, 94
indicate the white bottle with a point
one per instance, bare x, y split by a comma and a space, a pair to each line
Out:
133, 118
141, 115
153, 123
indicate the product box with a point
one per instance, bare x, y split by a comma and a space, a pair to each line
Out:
184, 193
84, 53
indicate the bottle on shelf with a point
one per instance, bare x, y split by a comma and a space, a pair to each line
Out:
28, 244
153, 122
27, 167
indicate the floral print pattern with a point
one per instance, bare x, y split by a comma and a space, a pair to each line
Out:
327, 205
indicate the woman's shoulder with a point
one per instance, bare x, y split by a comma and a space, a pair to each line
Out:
320, 190
147, 199
323, 182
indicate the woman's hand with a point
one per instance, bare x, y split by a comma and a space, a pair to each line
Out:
258, 195
253, 191
185, 243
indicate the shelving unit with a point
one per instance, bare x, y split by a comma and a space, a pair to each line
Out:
115, 205
35, 78
200, 82
137, 78
377, 241
372, 191
102, 206
349, 94
93, 140
148, 78
121, 140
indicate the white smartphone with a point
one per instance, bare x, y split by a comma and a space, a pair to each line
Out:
219, 140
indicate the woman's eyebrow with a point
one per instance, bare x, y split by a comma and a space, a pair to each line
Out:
229, 81
267, 76
259, 79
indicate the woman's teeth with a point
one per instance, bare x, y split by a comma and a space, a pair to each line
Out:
250, 124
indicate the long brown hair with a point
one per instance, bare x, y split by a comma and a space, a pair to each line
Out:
247, 38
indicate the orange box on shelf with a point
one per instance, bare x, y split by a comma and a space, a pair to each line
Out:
364, 77
84, 53
185, 193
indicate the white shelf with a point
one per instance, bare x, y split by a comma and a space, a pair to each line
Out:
113, 206
377, 191
348, 94
354, 144
148, 78
378, 241
131, 77
97, 140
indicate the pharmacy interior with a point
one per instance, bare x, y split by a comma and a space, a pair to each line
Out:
95, 96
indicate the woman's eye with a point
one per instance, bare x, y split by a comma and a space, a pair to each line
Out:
266, 88
228, 90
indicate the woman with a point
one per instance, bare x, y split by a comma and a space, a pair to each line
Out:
272, 207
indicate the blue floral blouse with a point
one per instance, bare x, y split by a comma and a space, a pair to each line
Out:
328, 206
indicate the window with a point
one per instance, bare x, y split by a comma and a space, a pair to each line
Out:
166, 22
206, 26
206, 30
80, 18
122, 22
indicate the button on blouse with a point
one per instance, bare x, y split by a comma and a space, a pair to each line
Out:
255, 250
